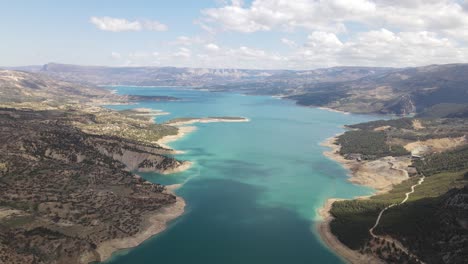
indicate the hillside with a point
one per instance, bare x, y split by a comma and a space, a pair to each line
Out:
429, 90
17, 87
65, 192
148, 76
221, 78
401, 92
68, 191
431, 226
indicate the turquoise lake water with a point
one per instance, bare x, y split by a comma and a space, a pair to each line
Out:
255, 187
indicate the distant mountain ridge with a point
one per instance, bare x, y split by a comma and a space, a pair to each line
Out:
149, 76
167, 76
400, 91
18, 86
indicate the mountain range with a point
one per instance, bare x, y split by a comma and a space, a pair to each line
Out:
53, 132
427, 91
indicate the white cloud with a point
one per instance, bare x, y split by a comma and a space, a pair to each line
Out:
120, 24
319, 39
183, 40
381, 47
397, 33
378, 48
265, 15
188, 41
183, 53
341, 32
211, 47
116, 55
288, 42
153, 25
240, 57
115, 24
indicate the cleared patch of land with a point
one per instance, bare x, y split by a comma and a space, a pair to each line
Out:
419, 229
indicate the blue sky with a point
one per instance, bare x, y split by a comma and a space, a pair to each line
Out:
301, 34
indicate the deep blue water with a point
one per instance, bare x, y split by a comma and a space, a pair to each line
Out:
254, 189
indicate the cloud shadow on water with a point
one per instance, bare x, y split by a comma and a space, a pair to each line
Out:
232, 168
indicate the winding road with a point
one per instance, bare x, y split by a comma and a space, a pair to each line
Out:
389, 239
407, 195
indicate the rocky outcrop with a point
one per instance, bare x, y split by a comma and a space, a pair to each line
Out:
136, 156
403, 106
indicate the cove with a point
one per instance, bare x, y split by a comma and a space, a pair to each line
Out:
254, 189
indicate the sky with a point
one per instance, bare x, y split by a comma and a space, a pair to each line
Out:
255, 34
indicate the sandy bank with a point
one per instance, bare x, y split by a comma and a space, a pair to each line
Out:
153, 224
381, 174
181, 132
323, 228
184, 129
207, 120
333, 110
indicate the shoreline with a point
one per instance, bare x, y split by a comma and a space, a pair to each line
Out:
379, 184
323, 225
207, 120
183, 167
184, 130
181, 132
333, 110
154, 223
331, 241
381, 174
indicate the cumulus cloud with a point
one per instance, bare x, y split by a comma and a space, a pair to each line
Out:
211, 47
333, 15
342, 32
378, 48
121, 24
395, 33
266, 15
